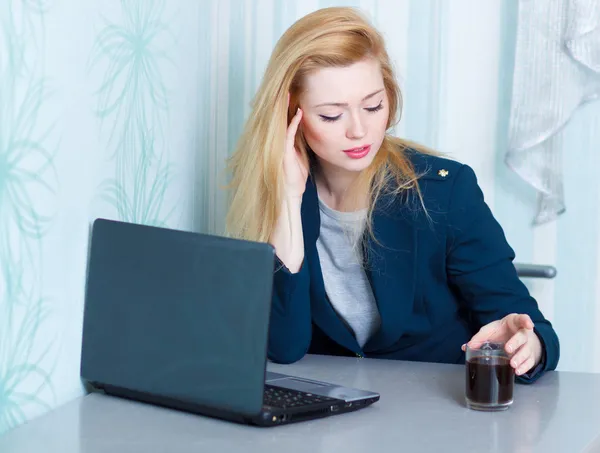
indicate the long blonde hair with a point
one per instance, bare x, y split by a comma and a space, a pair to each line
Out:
329, 37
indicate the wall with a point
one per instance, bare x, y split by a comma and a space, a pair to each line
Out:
127, 109
95, 121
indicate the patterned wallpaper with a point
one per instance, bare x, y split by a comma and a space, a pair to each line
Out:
29, 185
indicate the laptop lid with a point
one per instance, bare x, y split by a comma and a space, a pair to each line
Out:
177, 314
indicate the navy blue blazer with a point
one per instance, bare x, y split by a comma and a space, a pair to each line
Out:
436, 280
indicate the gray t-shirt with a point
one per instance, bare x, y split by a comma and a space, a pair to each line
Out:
346, 283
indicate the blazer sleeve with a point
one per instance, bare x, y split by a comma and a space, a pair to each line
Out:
290, 327
480, 267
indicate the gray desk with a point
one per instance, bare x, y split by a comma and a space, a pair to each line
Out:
421, 410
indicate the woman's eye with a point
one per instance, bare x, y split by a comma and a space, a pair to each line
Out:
330, 118
375, 109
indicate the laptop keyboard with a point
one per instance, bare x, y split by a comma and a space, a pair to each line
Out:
286, 398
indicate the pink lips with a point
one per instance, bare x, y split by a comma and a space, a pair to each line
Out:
358, 152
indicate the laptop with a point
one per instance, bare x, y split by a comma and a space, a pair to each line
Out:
181, 320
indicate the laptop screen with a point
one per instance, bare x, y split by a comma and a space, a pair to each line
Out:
177, 314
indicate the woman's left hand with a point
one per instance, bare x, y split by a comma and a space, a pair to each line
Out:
522, 343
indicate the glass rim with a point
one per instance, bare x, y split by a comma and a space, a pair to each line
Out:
488, 346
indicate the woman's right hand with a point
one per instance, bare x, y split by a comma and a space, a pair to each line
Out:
287, 236
295, 165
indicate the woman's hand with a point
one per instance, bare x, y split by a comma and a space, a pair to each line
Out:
295, 165
522, 344
287, 236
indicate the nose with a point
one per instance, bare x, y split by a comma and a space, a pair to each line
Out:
356, 129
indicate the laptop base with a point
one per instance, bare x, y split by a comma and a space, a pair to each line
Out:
270, 416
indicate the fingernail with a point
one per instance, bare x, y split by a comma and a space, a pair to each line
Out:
509, 348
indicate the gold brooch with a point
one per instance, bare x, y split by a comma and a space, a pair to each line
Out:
443, 173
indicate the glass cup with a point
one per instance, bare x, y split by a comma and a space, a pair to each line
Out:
490, 379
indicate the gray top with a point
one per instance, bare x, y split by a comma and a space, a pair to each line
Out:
421, 410
346, 283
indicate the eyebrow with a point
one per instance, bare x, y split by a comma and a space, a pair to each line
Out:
344, 104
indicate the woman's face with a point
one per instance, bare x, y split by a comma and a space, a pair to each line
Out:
345, 115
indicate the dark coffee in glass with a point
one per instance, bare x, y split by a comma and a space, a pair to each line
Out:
489, 377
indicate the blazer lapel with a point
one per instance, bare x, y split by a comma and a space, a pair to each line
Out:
322, 311
391, 264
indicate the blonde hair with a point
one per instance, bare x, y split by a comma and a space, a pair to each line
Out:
329, 37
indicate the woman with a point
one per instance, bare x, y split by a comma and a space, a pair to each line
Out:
383, 249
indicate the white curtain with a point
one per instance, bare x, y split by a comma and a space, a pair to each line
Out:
557, 69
